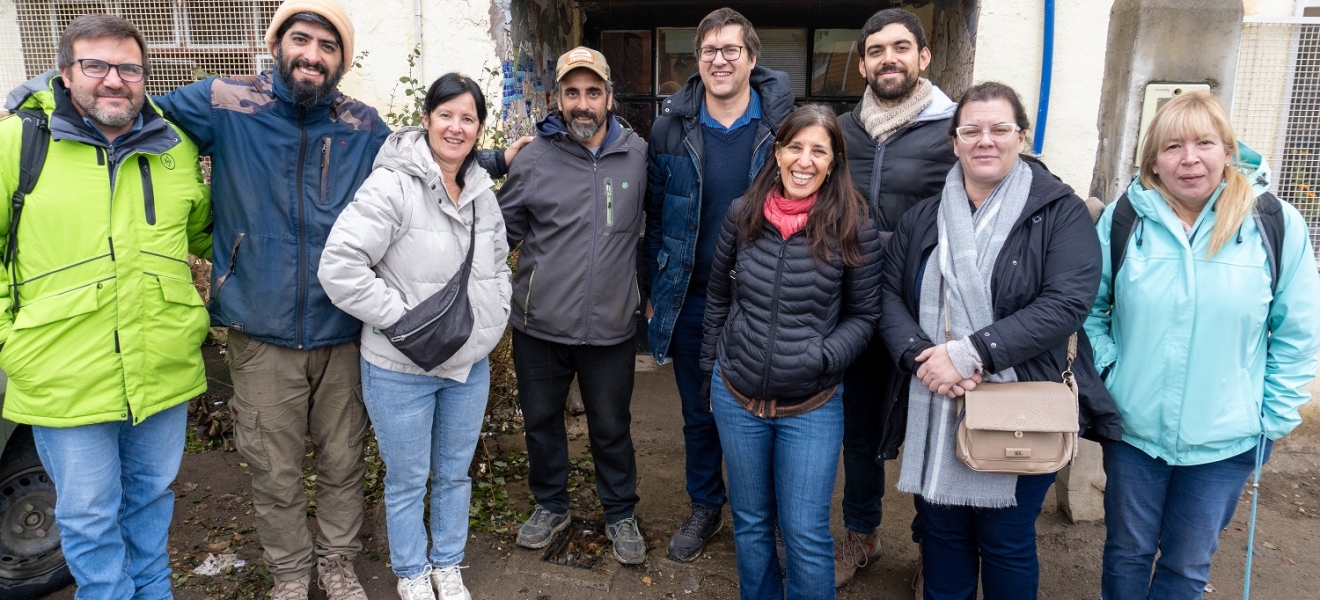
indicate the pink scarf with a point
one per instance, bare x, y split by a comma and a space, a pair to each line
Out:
788, 216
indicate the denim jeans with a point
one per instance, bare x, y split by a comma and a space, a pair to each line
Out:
114, 504
701, 442
413, 413
864, 382
1151, 505
781, 470
960, 543
605, 376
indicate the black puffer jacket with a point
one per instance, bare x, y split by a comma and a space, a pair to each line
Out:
783, 325
1044, 283
906, 168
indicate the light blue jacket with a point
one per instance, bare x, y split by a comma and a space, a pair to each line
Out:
1201, 359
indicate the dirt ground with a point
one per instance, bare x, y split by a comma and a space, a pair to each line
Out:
213, 514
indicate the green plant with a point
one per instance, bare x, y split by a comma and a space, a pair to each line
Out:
408, 110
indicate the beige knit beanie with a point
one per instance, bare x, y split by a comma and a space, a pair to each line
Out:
330, 9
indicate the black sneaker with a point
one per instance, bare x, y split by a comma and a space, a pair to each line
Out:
700, 526
540, 528
629, 546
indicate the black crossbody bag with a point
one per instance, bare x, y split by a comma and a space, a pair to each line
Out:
437, 328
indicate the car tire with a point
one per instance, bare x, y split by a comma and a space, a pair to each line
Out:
32, 564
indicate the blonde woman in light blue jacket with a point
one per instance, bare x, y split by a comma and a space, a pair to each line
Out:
1206, 354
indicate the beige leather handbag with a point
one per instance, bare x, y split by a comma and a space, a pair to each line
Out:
1020, 428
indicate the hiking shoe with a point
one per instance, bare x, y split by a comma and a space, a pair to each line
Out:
857, 551
291, 589
700, 526
540, 528
629, 546
335, 575
448, 583
417, 588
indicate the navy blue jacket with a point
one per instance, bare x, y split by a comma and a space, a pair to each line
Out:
280, 175
673, 199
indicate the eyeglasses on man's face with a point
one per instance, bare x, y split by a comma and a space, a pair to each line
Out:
999, 132
99, 69
730, 53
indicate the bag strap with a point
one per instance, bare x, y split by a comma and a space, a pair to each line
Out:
472, 245
36, 143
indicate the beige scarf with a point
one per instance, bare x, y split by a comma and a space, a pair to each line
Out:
881, 122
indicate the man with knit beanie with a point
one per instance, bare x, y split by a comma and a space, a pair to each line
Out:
899, 151
288, 152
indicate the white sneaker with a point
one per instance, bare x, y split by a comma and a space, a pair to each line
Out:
417, 588
449, 584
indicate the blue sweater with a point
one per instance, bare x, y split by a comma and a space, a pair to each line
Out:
723, 174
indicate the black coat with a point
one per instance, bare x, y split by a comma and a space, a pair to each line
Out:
905, 169
1044, 283
783, 325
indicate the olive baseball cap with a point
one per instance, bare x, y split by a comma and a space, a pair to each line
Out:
582, 57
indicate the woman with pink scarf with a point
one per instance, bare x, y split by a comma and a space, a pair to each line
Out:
793, 298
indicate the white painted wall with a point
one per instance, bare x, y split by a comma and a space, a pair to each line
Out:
456, 35
1009, 42
11, 49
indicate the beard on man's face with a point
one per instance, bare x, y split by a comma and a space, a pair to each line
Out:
584, 131
85, 99
305, 93
892, 91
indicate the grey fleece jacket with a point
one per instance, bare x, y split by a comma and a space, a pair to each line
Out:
577, 216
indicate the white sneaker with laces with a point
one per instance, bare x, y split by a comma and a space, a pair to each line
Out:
448, 583
417, 588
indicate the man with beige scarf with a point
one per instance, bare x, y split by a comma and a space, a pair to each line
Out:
899, 151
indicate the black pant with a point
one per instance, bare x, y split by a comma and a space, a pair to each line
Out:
866, 383
545, 371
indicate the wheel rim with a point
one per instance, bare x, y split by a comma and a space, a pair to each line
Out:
29, 538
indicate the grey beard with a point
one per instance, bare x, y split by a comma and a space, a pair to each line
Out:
583, 131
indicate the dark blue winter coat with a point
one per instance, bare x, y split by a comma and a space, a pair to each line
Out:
280, 175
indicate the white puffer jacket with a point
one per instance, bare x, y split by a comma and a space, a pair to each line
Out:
402, 239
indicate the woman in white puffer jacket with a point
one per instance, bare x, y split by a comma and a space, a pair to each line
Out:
402, 239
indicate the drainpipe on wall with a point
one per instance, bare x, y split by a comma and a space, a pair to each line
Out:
1046, 74
417, 25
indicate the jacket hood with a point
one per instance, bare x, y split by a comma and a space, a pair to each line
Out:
25, 95
1250, 163
406, 152
773, 87
552, 125
941, 107
47, 93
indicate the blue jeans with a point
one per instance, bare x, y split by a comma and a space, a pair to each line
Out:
114, 503
960, 543
1151, 505
782, 471
701, 442
413, 414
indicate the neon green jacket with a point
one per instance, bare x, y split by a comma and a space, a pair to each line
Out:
99, 319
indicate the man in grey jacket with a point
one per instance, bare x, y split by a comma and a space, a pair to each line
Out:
573, 201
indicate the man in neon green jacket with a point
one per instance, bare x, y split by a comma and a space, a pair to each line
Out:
100, 324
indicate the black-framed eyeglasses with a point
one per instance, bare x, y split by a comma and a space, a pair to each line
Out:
98, 69
999, 132
731, 53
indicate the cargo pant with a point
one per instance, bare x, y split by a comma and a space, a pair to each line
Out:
280, 396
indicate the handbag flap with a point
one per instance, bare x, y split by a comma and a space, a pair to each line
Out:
1044, 406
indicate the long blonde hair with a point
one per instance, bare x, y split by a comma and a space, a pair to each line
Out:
1199, 113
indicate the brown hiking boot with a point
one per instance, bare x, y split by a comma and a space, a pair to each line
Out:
856, 551
291, 589
337, 577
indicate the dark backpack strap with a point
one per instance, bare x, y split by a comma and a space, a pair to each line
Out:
1120, 229
1269, 220
32, 157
